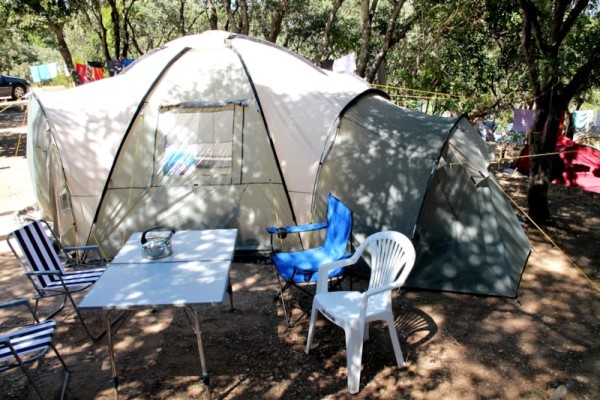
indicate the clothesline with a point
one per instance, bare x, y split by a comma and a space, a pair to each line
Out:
582, 119
91, 71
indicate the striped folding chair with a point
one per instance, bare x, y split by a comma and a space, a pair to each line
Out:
22, 344
41, 263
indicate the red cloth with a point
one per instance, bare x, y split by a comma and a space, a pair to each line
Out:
89, 74
580, 165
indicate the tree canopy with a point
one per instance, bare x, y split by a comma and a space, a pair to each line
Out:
483, 58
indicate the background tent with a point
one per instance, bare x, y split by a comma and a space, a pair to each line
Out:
205, 133
427, 177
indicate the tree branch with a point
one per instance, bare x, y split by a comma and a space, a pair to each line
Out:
580, 5
528, 49
530, 12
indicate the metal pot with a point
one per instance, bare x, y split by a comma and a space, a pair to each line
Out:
156, 243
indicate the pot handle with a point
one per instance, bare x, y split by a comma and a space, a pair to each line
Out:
144, 240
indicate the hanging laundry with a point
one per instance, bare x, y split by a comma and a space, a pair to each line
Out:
43, 72
523, 120
114, 67
35, 74
53, 70
96, 64
583, 119
97, 73
89, 74
345, 64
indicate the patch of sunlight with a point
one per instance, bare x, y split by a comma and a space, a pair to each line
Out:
556, 264
156, 327
516, 325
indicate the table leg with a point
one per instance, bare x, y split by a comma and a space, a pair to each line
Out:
111, 353
230, 290
205, 379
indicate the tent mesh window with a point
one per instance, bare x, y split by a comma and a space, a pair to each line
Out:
194, 140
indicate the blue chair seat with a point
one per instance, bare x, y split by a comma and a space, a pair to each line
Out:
301, 266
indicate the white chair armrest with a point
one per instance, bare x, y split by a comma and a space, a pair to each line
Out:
381, 289
322, 281
373, 292
322, 285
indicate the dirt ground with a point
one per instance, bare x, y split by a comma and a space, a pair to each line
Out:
544, 345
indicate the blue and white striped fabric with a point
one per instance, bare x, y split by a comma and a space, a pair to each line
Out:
42, 257
29, 339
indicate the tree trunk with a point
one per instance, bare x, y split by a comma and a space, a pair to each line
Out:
368, 10
114, 18
96, 11
545, 165
231, 24
245, 26
63, 48
390, 39
213, 19
181, 22
537, 189
324, 46
277, 20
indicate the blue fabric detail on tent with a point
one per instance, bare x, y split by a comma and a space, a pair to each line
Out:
178, 162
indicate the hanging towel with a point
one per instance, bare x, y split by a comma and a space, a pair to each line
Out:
583, 119
35, 74
523, 120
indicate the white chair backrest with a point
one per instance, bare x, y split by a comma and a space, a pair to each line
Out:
392, 258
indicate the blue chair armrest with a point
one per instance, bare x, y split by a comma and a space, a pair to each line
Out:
284, 230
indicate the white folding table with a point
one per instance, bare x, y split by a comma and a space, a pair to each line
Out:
196, 273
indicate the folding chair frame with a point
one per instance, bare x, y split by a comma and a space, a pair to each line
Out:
22, 363
284, 285
65, 289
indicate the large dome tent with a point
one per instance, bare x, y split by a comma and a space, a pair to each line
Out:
225, 131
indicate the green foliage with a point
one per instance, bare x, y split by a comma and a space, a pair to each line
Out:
464, 55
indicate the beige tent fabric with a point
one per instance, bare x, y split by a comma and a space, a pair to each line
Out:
89, 124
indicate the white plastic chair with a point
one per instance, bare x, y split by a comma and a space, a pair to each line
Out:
392, 259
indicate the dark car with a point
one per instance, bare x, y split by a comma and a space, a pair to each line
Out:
13, 87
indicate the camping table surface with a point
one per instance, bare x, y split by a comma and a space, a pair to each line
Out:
184, 279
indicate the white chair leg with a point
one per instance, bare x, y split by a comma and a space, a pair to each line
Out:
311, 328
395, 342
354, 346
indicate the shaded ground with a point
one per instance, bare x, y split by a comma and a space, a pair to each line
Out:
458, 346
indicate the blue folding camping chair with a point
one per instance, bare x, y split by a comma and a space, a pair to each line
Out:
300, 268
